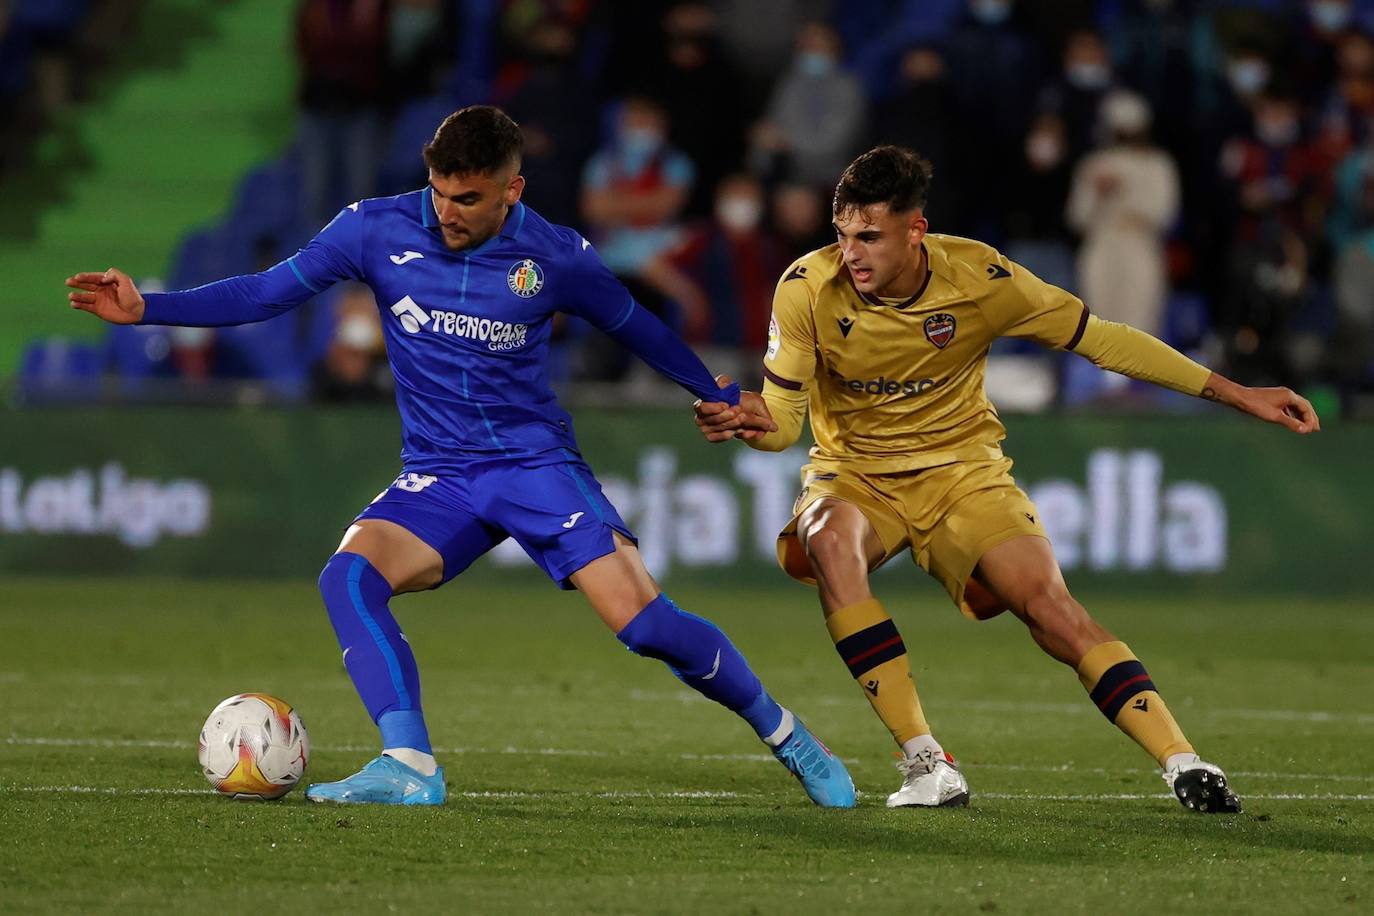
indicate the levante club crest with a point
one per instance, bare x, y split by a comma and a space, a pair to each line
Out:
940, 329
525, 278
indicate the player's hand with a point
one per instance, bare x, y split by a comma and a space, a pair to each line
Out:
1283, 406
111, 296
748, 420
1273, 405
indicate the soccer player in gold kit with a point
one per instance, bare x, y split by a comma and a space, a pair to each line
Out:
884, 337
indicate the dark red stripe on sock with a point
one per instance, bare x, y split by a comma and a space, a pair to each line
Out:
870, 647
1118, 684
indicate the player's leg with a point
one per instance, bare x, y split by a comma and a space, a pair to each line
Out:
629, 601
413, 537
841, 545
1023, 573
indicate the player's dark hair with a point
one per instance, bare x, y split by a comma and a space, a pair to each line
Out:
479, 139
888, 175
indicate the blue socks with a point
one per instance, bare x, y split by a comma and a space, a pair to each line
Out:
376, 654
705, 660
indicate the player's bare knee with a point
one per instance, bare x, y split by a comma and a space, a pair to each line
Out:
831, 551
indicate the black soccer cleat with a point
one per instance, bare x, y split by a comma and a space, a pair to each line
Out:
1202, 787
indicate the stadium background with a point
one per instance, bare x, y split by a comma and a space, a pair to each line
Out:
163, 487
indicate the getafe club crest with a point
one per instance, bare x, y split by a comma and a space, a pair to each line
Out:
525, 278
940, 329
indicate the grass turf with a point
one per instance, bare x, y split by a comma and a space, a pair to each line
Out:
586, 780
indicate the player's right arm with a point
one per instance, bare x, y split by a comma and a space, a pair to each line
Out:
333, 255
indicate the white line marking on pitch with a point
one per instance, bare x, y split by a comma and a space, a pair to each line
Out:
1000, 796
583, 752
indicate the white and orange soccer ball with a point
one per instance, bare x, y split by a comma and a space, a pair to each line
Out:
253, 746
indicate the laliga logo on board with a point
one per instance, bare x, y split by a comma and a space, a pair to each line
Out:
525, 278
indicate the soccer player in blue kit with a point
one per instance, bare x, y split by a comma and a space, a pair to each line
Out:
468, 279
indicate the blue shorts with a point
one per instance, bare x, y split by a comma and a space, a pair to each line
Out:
557, 513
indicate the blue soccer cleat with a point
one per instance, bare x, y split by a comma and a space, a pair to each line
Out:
821, 773
384, 781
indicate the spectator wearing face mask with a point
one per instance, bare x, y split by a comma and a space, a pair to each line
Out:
924, 116
817, 116
735, 263
699, 88
1346, 113
1124, 198
1321, 25
353, 369
1076, 96
1037, 235
801, 219
1278, 182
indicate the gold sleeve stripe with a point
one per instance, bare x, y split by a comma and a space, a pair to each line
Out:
797, 386
1082, 326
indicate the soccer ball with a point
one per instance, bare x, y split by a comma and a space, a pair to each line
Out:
253, 746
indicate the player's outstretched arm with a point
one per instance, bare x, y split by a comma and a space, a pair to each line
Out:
748, 420
1273, 405
110, 296
1129, 351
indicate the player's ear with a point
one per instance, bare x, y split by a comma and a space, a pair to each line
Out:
514, 190
918, 227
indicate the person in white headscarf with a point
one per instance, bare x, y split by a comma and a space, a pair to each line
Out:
1123, 199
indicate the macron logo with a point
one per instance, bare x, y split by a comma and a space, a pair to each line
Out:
407, 257
412, 316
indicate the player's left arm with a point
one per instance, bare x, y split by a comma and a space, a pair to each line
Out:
592, 292
1026, 306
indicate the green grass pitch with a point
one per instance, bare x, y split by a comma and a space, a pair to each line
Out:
584, 779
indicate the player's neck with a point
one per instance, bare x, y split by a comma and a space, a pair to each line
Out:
908, 282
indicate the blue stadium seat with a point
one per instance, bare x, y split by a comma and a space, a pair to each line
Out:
138, 353
48, 20
1186, 319
56, 368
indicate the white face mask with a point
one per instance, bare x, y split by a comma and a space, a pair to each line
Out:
1089, 76
739, 214
1248, 75
1328, 16
1043, 150
990, 12
357, 332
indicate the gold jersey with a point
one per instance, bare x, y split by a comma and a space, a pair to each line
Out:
898, 385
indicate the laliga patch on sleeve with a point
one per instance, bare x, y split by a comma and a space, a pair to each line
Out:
773, 337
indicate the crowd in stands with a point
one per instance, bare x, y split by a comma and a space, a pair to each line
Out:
1201, 169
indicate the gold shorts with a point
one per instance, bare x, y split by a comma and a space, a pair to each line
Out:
948, 515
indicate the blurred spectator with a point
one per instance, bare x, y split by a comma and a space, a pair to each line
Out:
1037, 235
1123, 199
736, 264
758, 36
1347, 109
421, 37
354, 367
699, 89
924, 116
801, 219
995, 72
1324, 22
343, 52
1152, 50
816, 119
1278, 182
557, 113
633, 192
1351, 348
1076, 95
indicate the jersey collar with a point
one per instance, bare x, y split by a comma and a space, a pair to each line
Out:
906, 303
510, 229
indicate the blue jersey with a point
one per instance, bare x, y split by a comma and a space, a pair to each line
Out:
467, 332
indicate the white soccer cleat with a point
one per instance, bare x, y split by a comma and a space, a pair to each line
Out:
931, 780
1201, 786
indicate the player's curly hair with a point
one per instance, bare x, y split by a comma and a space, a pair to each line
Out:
477, 139
889, 175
